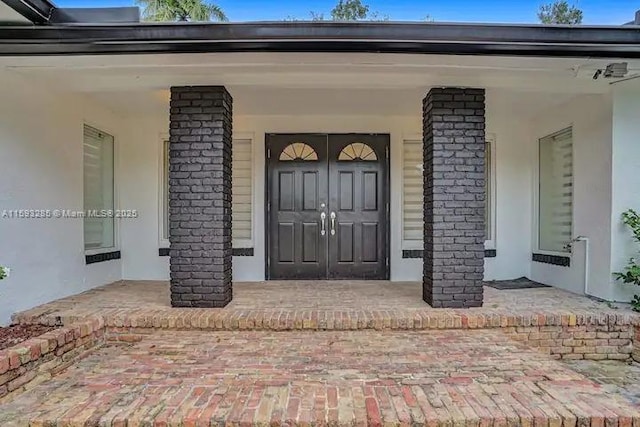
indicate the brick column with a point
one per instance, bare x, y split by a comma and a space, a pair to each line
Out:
454, 193
200, 196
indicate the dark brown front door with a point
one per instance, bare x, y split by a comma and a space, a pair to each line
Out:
327, 206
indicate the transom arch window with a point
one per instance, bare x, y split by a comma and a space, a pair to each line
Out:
298, 151
358, 151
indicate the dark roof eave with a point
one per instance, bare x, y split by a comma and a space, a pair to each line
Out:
387, 37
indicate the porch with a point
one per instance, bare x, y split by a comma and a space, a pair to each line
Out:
192, 161
284, 305
339, 378
251, 363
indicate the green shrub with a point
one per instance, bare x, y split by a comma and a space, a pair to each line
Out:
631, 274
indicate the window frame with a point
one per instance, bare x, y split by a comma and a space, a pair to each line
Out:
408, 244
536, 190
163, 240
247, 243
490, 241
163, 214
116, 195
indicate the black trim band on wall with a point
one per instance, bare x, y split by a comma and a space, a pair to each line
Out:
418, 253
102, 257
242, 251
412, 253
236, 252
563, 261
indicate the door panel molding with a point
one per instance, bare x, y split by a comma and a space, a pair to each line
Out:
365, 158
307, 174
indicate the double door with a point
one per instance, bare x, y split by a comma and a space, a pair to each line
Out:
327, 206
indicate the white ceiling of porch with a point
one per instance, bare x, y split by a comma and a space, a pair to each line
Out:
284, 101
331, 83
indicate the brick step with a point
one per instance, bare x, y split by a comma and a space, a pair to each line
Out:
569, 335
381, 406
439, 377
292, 319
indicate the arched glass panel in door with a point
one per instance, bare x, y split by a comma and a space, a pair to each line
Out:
298, 151
358, 151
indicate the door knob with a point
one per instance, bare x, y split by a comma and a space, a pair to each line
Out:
322, 218
333, 223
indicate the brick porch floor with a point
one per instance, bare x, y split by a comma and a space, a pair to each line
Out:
323, 305
285, 353
437, 378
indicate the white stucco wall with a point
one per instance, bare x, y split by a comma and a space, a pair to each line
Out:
625, 183
141, 178
590, 118
41, 152
513, 186
41, 160
141, 175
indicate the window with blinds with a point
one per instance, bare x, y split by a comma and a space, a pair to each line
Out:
488, 199
412, 222
98, 175
555, 199
242, 188
412, 195
242, 207
165, 190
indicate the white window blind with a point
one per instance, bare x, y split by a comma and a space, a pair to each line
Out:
165, 190
412, 196
99, 232
556, 192
488, 198
242, 188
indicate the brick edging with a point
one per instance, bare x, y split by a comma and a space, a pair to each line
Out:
595, 336
38, 359
274, 319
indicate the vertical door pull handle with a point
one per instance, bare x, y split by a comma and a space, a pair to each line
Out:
322, 218
333, 223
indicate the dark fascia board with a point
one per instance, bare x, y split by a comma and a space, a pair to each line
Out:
384, 37
36, 11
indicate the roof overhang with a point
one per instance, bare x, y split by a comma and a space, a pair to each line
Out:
36, 11
385, 37
44, 12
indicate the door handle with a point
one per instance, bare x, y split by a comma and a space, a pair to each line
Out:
333, 223
322, 218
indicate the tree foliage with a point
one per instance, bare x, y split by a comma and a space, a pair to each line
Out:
181, 10
560, 12
350, 10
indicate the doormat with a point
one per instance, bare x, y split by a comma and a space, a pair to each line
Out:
521, 283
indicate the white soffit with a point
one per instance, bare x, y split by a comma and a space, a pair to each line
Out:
313, 70
10, 16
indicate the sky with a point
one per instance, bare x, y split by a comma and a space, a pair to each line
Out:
596, 12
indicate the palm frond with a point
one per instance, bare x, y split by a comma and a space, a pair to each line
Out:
200, 10
216, 12
181, 10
